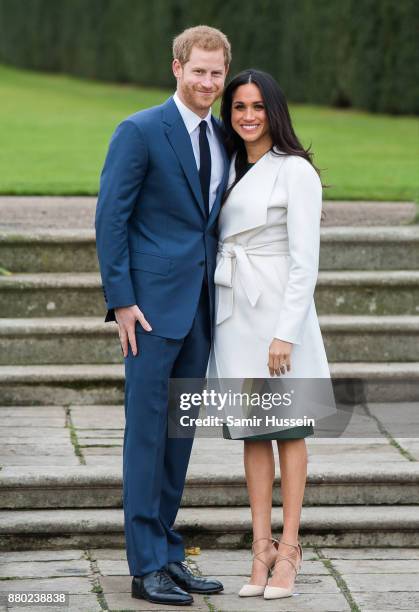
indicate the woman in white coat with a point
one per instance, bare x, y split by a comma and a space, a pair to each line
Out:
266, 321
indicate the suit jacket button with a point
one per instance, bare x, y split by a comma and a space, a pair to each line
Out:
201, 263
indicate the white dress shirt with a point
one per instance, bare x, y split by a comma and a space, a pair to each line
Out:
192, 121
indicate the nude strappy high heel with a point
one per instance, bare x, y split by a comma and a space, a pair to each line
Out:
272, 592
253, 590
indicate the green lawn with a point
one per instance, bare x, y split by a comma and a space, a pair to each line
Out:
54, 133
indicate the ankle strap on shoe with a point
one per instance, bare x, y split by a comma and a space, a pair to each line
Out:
296, 546
272, 540
256, 555
296, 567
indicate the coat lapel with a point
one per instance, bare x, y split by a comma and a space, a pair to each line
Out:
247, 205
180, 141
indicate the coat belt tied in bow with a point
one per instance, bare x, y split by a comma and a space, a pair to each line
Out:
225, 271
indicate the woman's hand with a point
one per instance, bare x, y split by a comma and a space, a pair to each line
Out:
279, 357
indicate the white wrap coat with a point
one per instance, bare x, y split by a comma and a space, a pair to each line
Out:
267, 267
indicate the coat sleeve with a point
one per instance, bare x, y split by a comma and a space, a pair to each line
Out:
303, 225
120, 184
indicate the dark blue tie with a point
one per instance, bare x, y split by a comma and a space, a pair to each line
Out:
204, 164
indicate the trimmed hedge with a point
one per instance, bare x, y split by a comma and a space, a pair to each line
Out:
361, 53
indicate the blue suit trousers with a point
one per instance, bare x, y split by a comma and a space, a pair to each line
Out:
154, 465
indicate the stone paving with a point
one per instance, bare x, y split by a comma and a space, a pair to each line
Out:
331, 579
93, 436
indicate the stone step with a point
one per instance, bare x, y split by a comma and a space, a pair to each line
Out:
103, 384
337, 292
328, 484
59, 341
57, 250
52, 294
61, 384
368, 293
209, 527
371, 338
369, 248
50, 212
342, 248
89, 340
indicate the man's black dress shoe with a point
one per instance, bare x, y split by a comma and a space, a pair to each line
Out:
182, 575
158, 587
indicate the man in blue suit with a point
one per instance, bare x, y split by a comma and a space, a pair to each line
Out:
156, 232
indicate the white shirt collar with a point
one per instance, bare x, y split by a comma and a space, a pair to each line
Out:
191, 119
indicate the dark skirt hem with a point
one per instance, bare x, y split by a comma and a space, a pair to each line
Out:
294, 433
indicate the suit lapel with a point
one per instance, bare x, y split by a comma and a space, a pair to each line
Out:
180, 141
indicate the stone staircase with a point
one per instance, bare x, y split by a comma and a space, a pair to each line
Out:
61, 394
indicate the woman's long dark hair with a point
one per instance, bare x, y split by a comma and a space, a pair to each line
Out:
280, 125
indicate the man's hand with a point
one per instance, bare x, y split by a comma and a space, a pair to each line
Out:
126, 318
279, 357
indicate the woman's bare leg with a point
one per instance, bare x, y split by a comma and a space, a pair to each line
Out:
259, 467
293, 464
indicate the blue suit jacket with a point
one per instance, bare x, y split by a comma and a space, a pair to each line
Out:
153, 239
